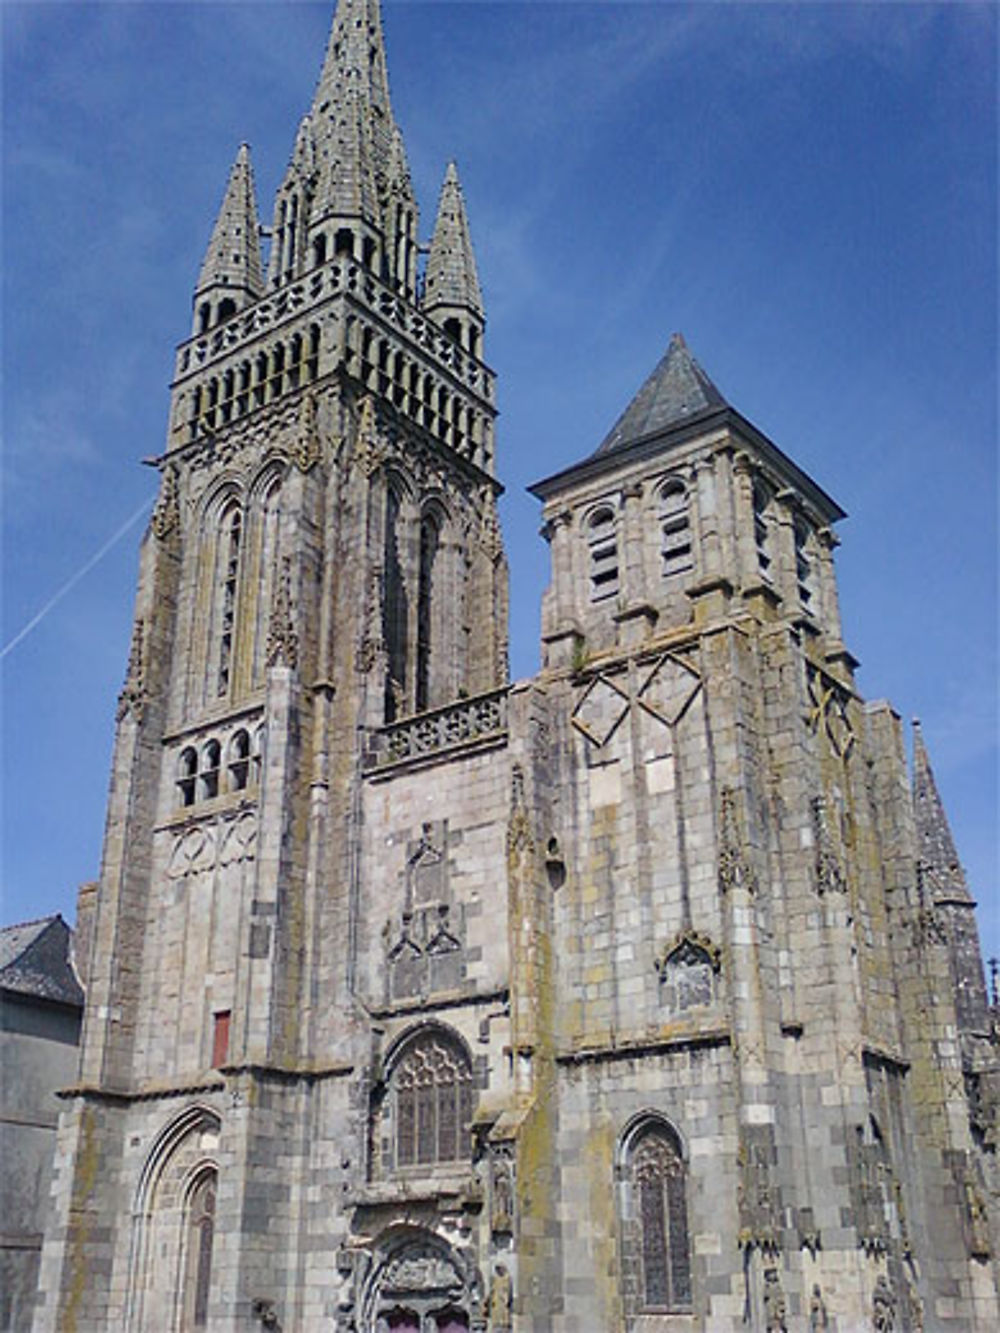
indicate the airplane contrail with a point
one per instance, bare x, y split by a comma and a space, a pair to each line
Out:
71, 582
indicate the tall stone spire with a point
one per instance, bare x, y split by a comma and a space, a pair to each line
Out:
452, 287
939, 861
231, 270
357, 142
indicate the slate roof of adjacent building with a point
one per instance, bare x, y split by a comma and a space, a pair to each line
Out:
35, 960
677, 390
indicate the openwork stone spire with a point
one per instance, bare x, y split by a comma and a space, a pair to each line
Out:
232, 259
452, 281
359, 153
938, 857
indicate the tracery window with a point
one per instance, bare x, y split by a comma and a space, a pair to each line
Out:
656, 1226
200, 1239
432, 1090
602, 538
675, 528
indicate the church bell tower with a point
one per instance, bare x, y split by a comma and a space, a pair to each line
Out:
324, 561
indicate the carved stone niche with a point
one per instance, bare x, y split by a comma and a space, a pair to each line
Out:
501, 1189
689, 970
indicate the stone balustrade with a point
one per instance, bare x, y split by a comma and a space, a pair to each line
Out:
483, 717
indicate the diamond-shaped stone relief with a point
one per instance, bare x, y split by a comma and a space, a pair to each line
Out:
668, 689
601, 709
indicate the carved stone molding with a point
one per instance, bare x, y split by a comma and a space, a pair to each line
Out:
282, 640
133, 697
167, 514
735, 868
829, 870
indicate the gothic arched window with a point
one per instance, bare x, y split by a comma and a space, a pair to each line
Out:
602, 539
762, 523
268, 521
394, 609
239, 761
210, 762
187, 773
200, 1239
675, 528
804, 572
230, 542
655, 1225
432, 1092
429, 537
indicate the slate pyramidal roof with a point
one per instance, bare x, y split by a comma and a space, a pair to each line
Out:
677, 399
677, 390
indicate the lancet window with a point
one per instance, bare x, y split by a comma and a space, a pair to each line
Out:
231, 530
761, 524
602, 539
267, 518
804, 571
656, 1244
432, 1093
429, 538
200, 1239
675, 528
394, 609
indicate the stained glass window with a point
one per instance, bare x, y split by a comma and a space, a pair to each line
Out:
658, 1183
433, 1103
201, 1234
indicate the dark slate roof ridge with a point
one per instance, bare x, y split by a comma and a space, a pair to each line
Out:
676, 390
666, 438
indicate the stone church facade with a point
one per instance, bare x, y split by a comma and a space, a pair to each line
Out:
642, 995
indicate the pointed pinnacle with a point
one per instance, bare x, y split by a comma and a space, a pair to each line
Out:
452, 279
233, 255
935, 844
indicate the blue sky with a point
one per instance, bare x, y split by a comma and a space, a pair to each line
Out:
807, 191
